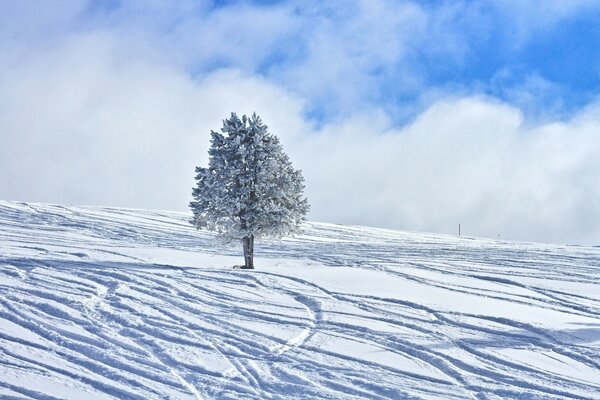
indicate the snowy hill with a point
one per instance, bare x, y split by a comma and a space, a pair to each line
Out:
99, 303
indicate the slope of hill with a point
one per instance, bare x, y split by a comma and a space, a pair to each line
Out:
99, 303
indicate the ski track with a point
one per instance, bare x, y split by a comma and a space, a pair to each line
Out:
134, 304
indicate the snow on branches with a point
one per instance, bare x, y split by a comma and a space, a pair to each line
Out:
249, 188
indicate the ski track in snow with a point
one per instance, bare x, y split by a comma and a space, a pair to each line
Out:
105, 303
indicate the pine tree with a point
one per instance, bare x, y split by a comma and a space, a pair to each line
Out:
249, 189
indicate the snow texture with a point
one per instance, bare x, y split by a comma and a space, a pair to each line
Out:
104, 303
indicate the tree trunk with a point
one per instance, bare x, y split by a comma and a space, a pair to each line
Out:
248, 242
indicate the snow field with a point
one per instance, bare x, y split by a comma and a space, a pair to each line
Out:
101, 303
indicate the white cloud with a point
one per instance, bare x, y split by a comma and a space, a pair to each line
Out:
114, 117
79, 124
470, 161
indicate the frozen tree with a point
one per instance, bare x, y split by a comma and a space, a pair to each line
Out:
249, 189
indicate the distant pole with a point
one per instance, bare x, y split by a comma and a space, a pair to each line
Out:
458, 229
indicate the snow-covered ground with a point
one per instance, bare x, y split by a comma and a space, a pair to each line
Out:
100, 303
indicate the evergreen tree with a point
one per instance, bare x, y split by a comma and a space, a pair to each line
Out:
249, 189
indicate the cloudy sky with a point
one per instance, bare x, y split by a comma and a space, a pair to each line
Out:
415, 115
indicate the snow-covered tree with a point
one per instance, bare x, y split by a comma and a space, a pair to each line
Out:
250, 189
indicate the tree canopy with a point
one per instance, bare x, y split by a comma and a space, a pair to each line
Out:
250, 188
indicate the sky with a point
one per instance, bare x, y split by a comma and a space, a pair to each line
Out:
412, 115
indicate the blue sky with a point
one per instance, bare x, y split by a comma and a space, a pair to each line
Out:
491, 48
391, 103
396, 55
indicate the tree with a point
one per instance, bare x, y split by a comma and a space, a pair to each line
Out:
250, 189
